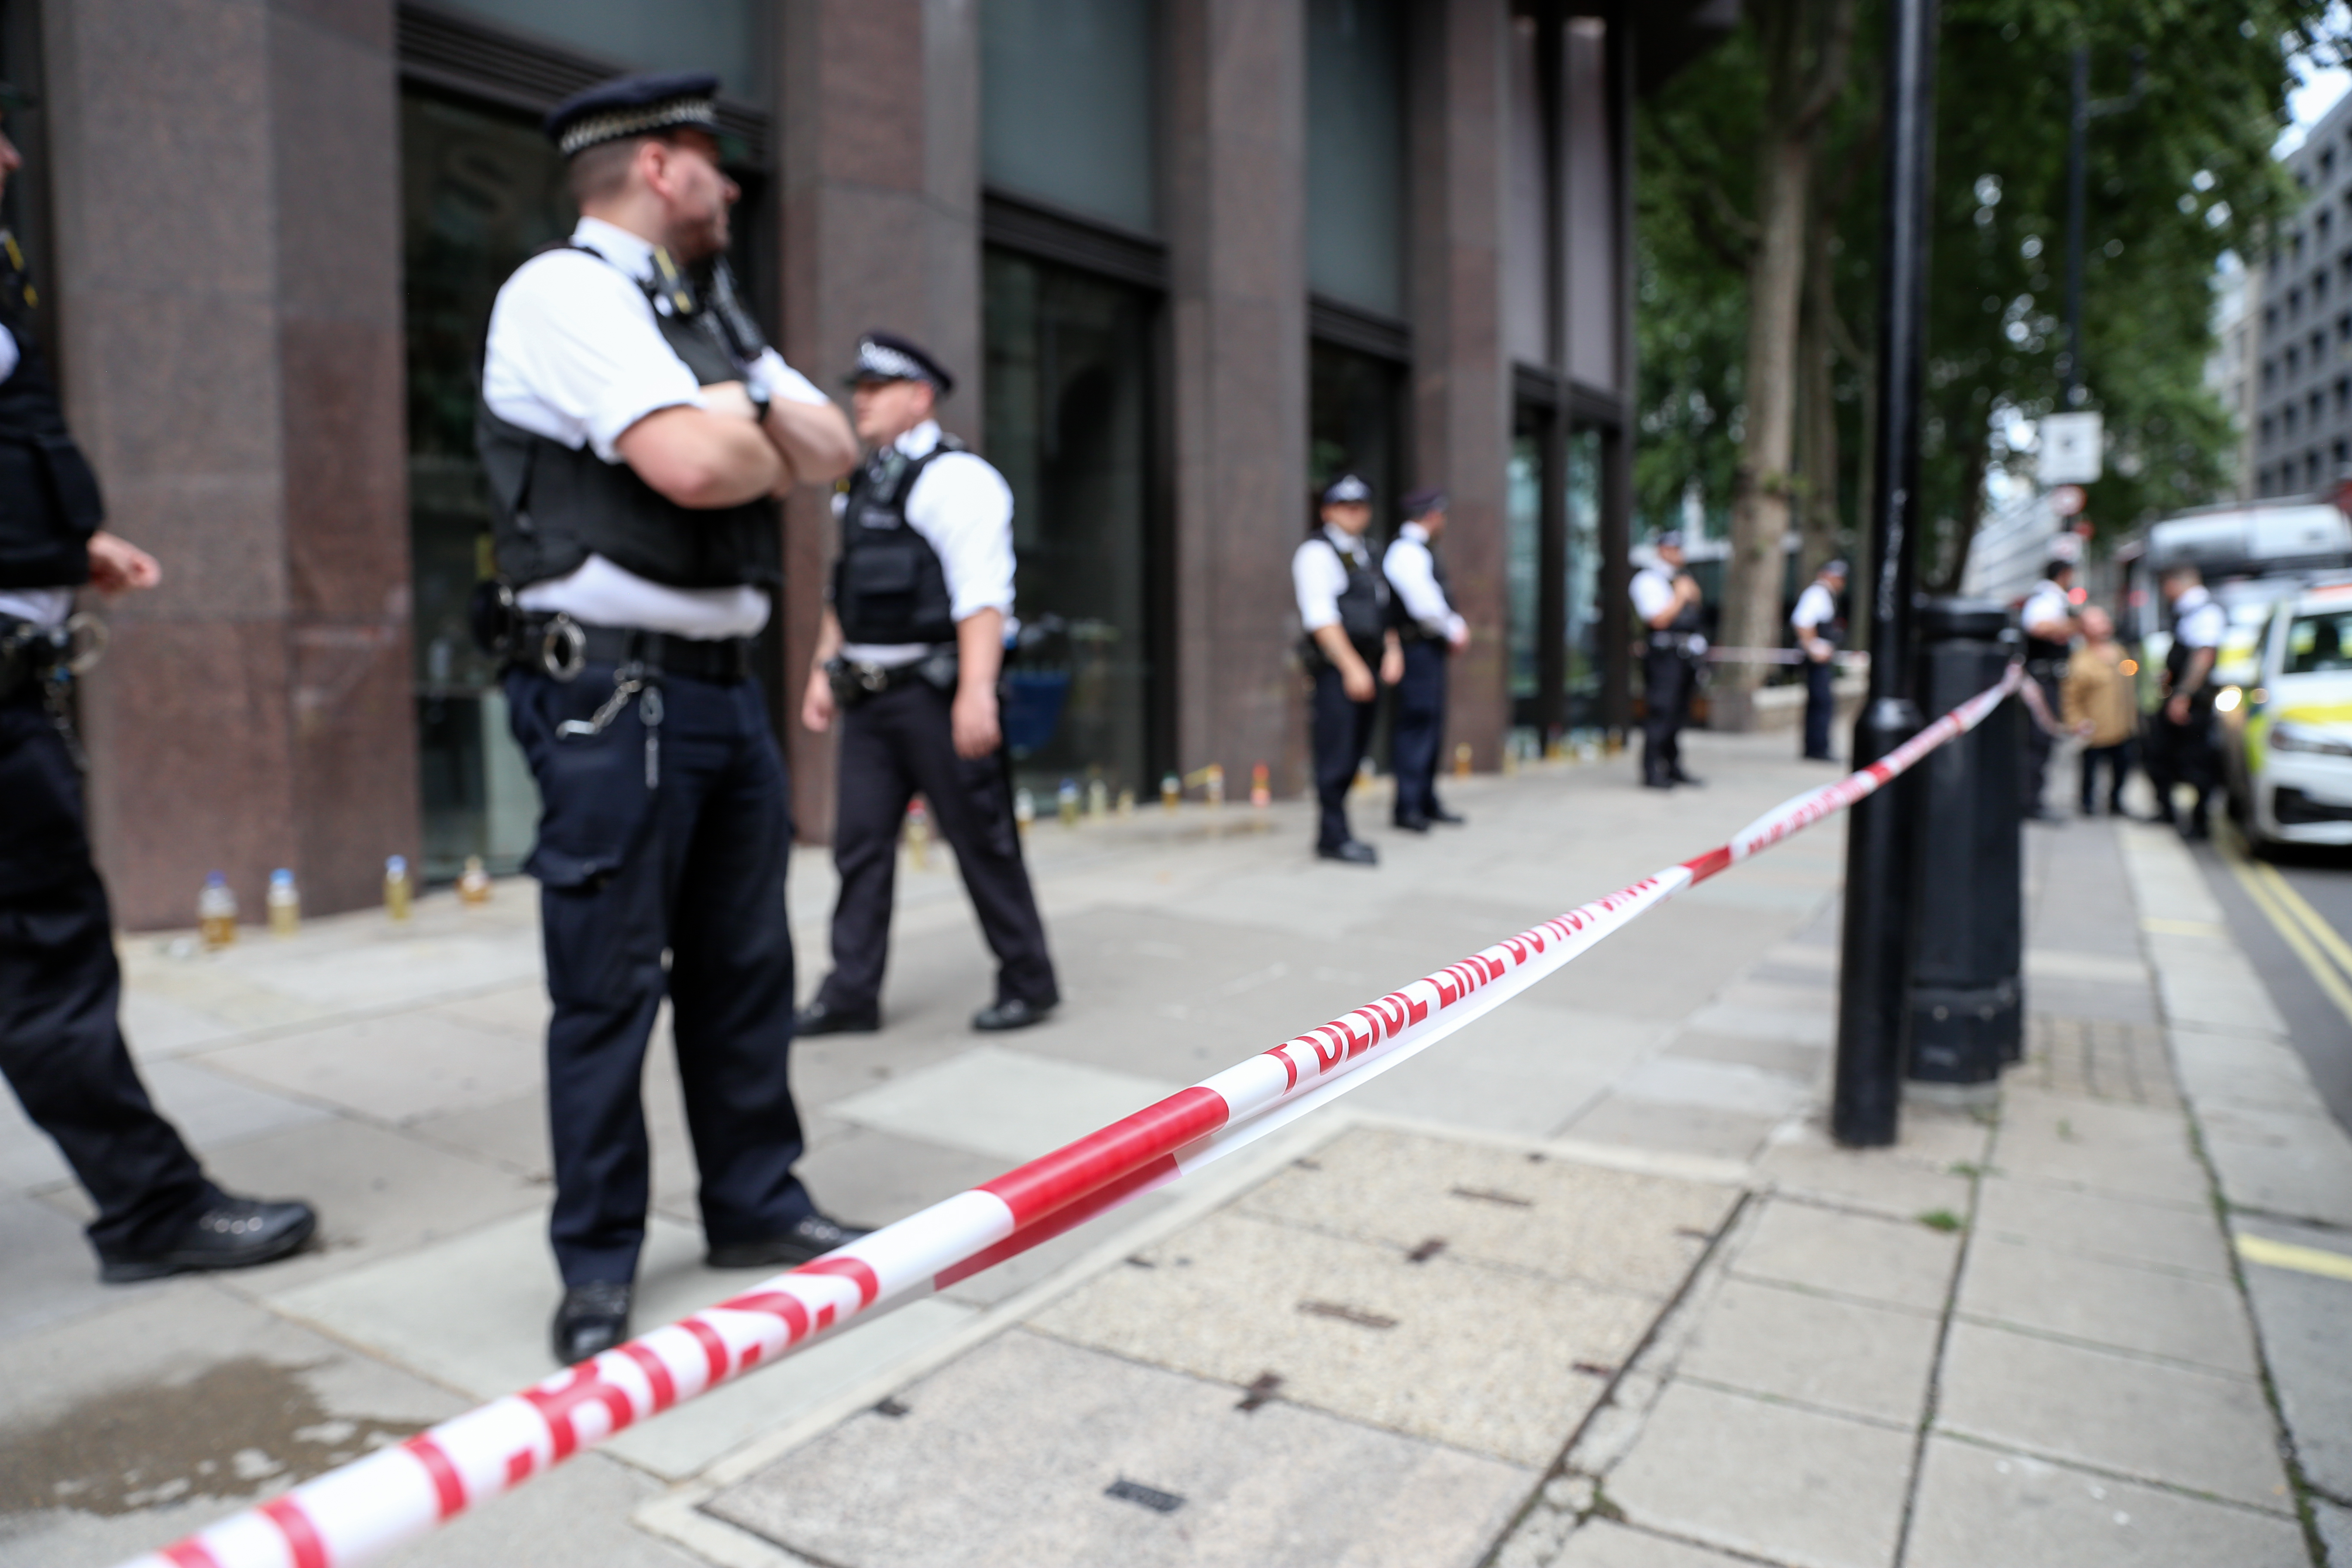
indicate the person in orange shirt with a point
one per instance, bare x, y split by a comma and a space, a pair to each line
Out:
2100, 706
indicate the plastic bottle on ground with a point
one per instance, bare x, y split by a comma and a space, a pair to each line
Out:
1065, 802
1171, 794
1024, 809
284, 901
919, 834
474, 882
1261, 785
1097, 798
396, 888
216, 911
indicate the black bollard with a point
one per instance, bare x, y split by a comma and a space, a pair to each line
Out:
1967, 1012
1874, 982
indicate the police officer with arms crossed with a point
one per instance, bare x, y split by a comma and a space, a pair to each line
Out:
1666, 600
908, 659
1343, 605
1422, 613
2180, 733
2048, 618
634, 429
1816, 622
62, 1042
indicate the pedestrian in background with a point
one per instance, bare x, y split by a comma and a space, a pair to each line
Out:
2180, 733
1819, 631
1666, 599
1343, 607
61, 1046
2101, 707
2048, 618
1422, 612
908, 659
634, 431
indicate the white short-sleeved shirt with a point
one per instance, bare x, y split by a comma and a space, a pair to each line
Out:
1815, 608
575, 355
2197, 621
1318, 576
1411, 570
963, 508
42, 606
1653, 594
2046, 613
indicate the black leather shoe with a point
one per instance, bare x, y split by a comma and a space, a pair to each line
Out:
813, 1236
235, 1233
1660, 783
823, 1018
1409, 823
1818, 757
1354, 852
1450, 818
1681, 777
1010, 1013
591, 1321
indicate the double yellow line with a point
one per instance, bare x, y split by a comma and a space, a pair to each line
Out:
2324, 951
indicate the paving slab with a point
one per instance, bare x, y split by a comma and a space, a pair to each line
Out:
2251, 1072
1795, 1017
1834, 1355
211, 1110
2334, 1529
1361, 1331
1877, 1181
2302, 1318
2099, 1225
390, 1069
1599, 1543
885, 1177
2047, 963
27, 1157
1519, 1208
1007, 1457
1731, 1087
2199, 1431
472, 1313
1807, 1064
156, 1027
2127, 1150
1897, 1263
1978, 1506
1683, 1129
2193, 1318
1767, 1479
1525, 1071
1012, 1105
2296, 1164
51, 1274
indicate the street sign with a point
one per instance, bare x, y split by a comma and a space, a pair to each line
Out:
2067, 500
2070, 448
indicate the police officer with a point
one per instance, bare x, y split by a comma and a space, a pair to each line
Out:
2048, 617
908, 660
61, 1043
2180, 733
1422, 613
1343, 605
634, 427
1815, 621
1666, 601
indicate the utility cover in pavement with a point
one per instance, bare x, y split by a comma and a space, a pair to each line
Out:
1413, 1398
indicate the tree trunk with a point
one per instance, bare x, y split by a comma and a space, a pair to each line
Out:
1819, 516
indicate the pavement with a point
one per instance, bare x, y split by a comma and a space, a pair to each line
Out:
1586, 1284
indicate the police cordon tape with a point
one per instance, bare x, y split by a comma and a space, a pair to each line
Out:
369, 1507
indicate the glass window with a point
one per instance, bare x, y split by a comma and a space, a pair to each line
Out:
1526, 316
1353, 426
1591, 206
1584, 601
723, 36
1355, 153
1068, 424
1066, 105
2316, 642
1522, 573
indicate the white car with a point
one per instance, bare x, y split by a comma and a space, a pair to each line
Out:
2287, 724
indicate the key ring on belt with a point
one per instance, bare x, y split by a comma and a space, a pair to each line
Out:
563, 647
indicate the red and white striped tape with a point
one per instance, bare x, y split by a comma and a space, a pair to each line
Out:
367, 1508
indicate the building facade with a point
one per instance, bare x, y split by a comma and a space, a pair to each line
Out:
1189, 258
2302, 395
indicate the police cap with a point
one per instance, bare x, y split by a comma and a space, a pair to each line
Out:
637, 105
886, 357
1834, 569
1670, 540
1421, 503
1347, 491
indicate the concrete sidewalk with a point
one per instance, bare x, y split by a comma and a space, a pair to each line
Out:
1585, 1284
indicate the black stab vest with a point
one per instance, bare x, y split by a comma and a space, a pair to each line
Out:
889, 584
1364, 606
553, 506
49, 503
1407, 629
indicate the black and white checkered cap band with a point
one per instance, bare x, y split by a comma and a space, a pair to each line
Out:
880, 361
616, 123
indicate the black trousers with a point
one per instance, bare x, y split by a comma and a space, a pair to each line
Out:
1342, 735
2183, 754
1417, 727
2039, 740
1820, 705
692, 865
894, 745
1666, 676
60, 1045
2117, 760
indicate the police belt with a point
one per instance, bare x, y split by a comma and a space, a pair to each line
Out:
32, 655
1683, 642
559, 647
855, 680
